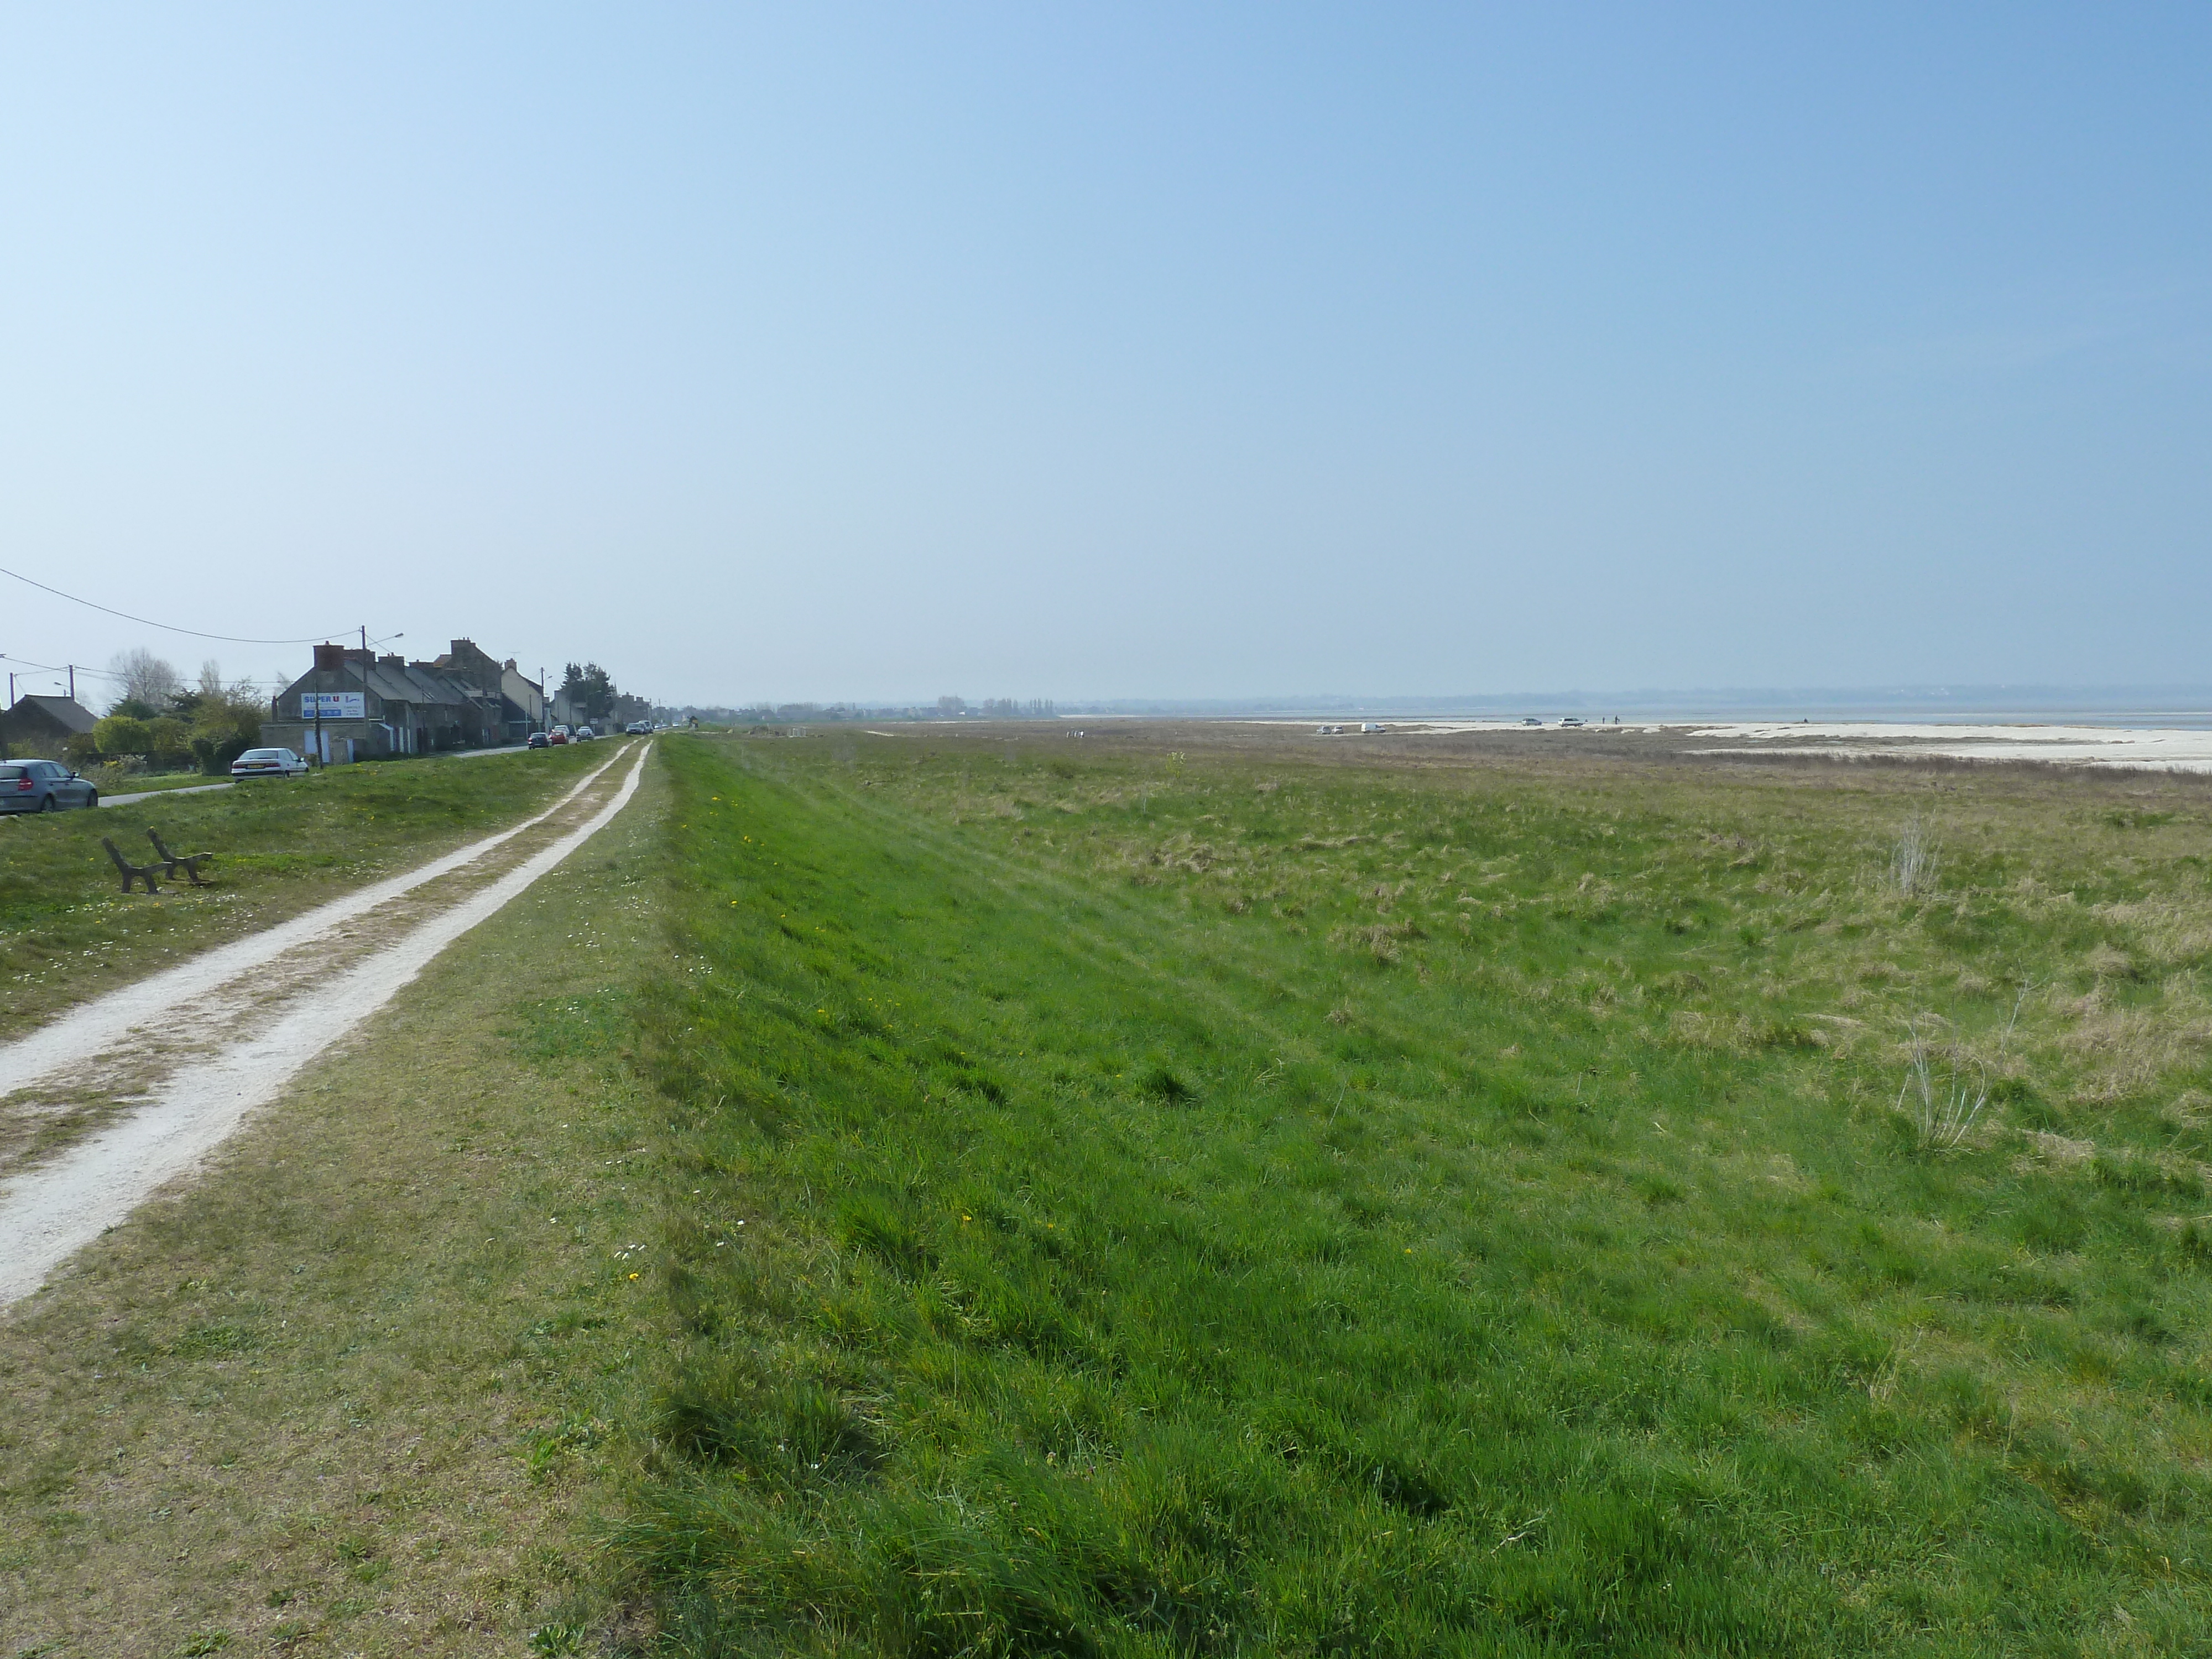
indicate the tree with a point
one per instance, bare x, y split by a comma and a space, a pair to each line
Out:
145, 678
948, 707
226, 720
591, 689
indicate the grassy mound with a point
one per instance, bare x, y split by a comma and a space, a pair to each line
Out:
1157, 1207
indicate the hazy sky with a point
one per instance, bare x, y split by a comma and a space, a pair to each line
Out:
821, 352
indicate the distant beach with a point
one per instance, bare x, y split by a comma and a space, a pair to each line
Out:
2161, 741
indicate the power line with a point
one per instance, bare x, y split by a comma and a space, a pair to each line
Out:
61, 668
107, 674
148, 622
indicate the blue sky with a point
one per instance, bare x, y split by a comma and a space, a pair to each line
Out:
828, 352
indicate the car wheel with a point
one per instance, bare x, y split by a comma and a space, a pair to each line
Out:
92, 797
47, 805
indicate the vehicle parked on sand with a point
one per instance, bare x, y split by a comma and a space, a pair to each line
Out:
43, 786
1572, 719
269, 764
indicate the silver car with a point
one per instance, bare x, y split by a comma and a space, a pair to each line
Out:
269, 764
42, 786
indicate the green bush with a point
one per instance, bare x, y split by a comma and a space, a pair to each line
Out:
169, 742
123, 734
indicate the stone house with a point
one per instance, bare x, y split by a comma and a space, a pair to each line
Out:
374, 706
43, 726
521, 699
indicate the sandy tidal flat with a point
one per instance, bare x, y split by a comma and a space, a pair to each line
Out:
2073, 745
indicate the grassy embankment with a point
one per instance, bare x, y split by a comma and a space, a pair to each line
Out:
1126, 1205
347, 1394
66, 931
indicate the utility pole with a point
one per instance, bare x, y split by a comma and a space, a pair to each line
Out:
72, 671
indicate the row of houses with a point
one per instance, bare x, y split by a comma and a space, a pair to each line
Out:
356, 705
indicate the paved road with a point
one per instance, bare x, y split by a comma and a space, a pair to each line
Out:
158, 795
202, 788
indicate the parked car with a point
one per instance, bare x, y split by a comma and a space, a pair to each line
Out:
269, 764
1572, 719
537, 740
40, 785
585, 734
638, 728
558, 735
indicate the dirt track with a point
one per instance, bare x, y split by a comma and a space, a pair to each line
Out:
112, 1101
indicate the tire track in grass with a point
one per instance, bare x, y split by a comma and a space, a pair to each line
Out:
109, 1019
49, 1213
105, 1020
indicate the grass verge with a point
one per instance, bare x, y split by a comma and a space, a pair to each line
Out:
349, 1394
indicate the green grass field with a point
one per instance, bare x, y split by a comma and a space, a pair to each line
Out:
67, 931
1132, 1204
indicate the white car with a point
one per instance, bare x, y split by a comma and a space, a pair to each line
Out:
269, 764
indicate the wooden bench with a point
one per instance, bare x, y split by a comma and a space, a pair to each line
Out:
188, 862
130, 871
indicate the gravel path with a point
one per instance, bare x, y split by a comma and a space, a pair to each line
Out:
192, 1051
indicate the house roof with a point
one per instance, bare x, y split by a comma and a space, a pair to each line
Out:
395, 681
439, 684
65, 712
